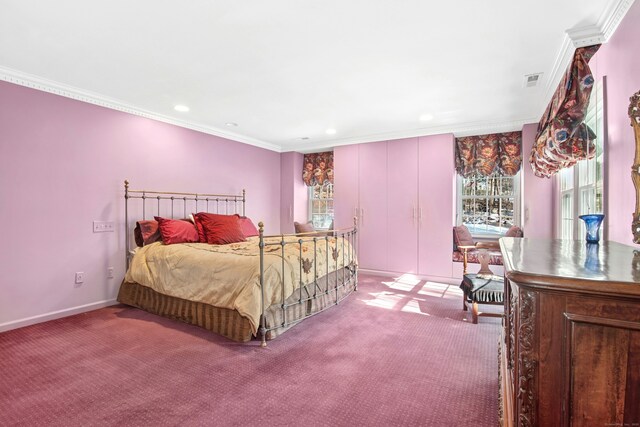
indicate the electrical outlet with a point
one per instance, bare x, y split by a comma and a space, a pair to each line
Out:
110, 273
103, 227
79, 278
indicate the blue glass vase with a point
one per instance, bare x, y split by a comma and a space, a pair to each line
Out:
592, 222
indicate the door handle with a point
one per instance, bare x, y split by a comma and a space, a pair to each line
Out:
420, 215
413, 214
362, 216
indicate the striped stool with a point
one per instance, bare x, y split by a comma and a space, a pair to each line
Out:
482, 290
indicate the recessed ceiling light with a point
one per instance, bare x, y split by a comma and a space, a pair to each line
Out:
231, 124
426, 117
181, 108
330, 131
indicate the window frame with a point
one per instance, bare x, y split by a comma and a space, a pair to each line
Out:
567, 193
329, 213
517, 193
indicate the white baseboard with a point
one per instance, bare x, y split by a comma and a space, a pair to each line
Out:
15, 324
438, 279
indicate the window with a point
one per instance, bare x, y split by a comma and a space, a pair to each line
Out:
321, 206
581, 186
489, 205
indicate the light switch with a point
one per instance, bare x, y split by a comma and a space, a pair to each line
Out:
103, 227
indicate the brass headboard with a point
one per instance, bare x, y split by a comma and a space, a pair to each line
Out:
178, 204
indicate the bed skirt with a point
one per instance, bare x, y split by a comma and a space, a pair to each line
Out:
230, 323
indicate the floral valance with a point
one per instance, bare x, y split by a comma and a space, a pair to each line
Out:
488, 154
318, 168
562, 137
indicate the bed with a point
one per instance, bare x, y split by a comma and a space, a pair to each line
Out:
256, 288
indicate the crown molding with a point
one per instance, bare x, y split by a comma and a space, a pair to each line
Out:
459, 130
586, 36
612, 17
56, 88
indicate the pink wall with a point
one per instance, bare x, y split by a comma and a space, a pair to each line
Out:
293, 193
619, 61
286, 192
537, 193
62, 166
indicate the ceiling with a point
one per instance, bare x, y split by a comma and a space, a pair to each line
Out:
285, 70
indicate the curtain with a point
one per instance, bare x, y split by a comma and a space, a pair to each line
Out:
563, 139
318, 168
488, 154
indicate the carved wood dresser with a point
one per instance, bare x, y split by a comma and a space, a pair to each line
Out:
570, 346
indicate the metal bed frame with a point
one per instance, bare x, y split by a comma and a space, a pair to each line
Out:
321, 288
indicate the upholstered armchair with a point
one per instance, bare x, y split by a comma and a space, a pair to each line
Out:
466, 250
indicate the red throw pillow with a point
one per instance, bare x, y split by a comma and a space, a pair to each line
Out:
202, 238
177, 231
147, 232
220, 229
247, 227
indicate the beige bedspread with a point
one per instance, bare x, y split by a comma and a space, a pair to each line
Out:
228, 276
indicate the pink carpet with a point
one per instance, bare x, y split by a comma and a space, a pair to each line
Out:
397, 352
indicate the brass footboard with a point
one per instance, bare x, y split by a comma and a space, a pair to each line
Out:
345, 277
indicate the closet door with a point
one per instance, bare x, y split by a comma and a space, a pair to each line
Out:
436, 211
345, 194
402, 205
373, 206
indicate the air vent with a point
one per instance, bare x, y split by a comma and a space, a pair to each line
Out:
532, 80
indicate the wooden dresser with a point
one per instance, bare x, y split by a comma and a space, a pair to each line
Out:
570, 349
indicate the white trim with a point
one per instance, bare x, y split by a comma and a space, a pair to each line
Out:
15, 324
586, 36
61, 89
612, 17
438, 279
